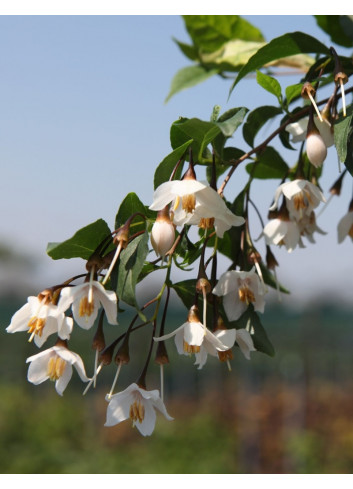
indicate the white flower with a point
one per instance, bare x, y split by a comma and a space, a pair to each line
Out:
316, 149
298, 130
137, 404
192, 336
41, 318
228, 337
279, 232
55, 364
239, 289
86, 300
194, 201
245, 342
301, 197
182, 192
307, 226
163, 233
211, 210
345, 227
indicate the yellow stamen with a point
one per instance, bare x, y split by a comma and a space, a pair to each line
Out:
85, 307
246, 295
188, 203
225, 356
206, 223
176, 203
191, 348
36, 325
56, 367
137, 411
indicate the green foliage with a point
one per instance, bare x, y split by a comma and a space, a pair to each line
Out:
281, 47
166, 167
256, 120
338, 27
342, 131
82, 244
131, 264
129, 206
268, 164
188, 77
270, 84
210, 32
251, 321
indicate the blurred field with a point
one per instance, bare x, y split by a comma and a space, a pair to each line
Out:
288, 414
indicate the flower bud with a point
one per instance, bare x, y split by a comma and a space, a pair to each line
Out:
161, 354
315, 148
163, 233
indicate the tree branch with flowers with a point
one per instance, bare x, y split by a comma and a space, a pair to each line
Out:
189, 224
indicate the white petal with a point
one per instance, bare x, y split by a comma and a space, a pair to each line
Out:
194, 333
344, 226
108, 300
61, 383
228, 282
119, 408
226, 336
19, 321
85, 322
149, 421
201, 357
169, 335
245, 342
233, 306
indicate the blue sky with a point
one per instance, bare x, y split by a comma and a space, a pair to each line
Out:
84, 122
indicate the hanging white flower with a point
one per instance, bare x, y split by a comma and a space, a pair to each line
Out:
55, 364
86, 300
302, 197
280, 232
137, 404
239, 289
298, 130
192, 336
41, 318
345, 227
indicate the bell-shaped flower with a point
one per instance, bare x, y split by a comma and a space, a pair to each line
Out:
298, 130
55, 364
227, 337
192, 336
316, 148
285, 232
163, 233
86, 300
307, 226
139, 405
239, 289
345, 226
302, 197
41, 318
183, 193
210, 211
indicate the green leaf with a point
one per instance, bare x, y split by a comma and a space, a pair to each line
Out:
287, 45
338, 27
270, 84
210, 32
293, 91
256, 119
231, 120
82, 244
349, 159
341, 133
190, 51
132, 259
270, 280
129, 206
186, 291
188, 77
269, 164
249, 320
201, 132
166, 167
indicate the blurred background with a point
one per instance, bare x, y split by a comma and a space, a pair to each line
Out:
83, 114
